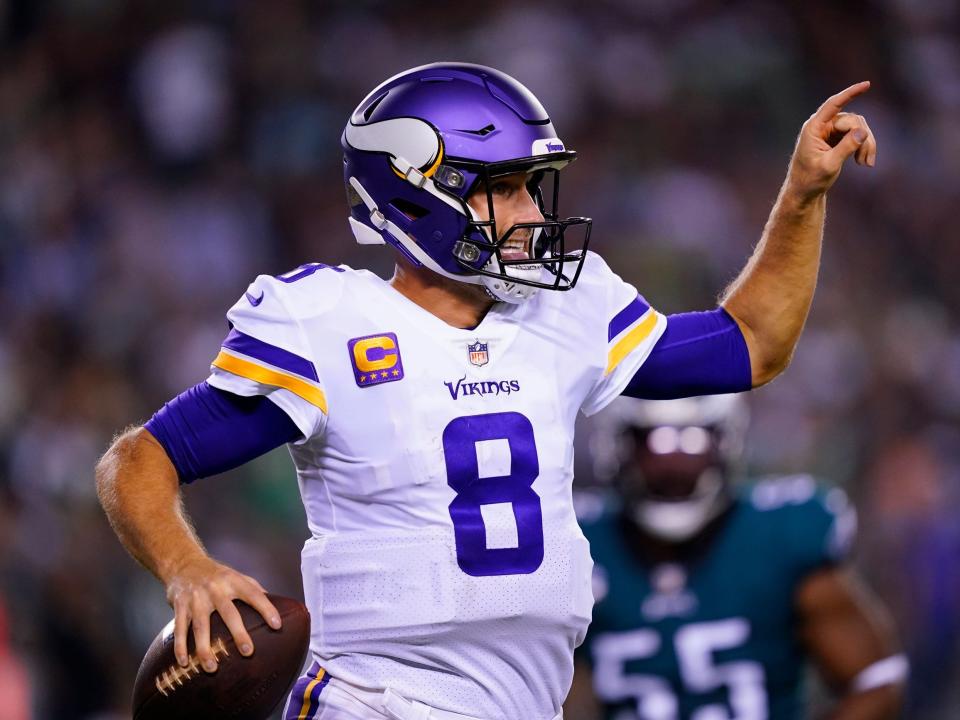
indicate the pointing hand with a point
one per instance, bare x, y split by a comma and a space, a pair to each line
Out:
826, 140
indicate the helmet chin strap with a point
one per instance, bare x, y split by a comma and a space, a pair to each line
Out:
505, 290
511, 292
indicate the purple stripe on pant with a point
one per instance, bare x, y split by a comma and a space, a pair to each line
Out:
304, 699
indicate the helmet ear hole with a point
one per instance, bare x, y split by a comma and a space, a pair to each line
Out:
411, 210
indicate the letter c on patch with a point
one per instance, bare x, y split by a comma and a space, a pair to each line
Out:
376, 353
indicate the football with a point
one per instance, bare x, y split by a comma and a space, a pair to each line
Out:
242, 688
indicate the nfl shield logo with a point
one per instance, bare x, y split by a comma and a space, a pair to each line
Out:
478, 353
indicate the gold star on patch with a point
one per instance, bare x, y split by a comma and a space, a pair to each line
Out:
363, 378
383, 374
396, 372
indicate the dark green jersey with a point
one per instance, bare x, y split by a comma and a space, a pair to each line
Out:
712, 636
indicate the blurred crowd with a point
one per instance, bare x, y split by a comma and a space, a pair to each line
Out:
155, 157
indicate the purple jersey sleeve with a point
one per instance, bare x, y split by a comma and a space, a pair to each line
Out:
206, 430
700, 353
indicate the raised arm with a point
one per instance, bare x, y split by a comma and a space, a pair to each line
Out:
771, 297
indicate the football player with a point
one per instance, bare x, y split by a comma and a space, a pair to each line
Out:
711, 596
430, 417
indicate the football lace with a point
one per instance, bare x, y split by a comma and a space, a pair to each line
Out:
174, 676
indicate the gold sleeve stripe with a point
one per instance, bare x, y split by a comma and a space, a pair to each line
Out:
267, 376
629, 341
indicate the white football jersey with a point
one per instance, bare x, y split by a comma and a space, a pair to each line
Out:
445, 560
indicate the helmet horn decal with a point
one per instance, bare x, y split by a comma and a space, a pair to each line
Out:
404, 139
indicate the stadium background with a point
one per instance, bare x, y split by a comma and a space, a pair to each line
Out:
154, 157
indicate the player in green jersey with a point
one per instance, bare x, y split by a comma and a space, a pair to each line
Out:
711, 596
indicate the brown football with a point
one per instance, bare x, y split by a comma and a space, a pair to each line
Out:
242, 688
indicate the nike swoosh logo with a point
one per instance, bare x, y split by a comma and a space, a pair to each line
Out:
255, 300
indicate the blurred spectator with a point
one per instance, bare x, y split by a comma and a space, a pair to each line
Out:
14, 680
913, 545
182, 92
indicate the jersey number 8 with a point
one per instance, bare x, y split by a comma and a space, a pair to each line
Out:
474, 490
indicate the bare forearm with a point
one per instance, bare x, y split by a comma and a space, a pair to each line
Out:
771, 297
849, 636
139, 491
879, 704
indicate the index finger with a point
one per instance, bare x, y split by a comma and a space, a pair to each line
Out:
835, 103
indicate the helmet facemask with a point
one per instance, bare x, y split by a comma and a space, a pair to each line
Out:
673, 461
672, 490
526, 256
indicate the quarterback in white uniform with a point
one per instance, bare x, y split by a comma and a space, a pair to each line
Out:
436, 479
431, 417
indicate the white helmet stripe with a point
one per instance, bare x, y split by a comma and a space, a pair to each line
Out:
408, 138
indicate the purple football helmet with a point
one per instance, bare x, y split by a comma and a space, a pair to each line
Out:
423, 141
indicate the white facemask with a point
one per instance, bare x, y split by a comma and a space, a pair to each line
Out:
681, 520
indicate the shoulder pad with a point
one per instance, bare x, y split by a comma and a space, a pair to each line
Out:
595, 272
816, 521
307, 291
772, 493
